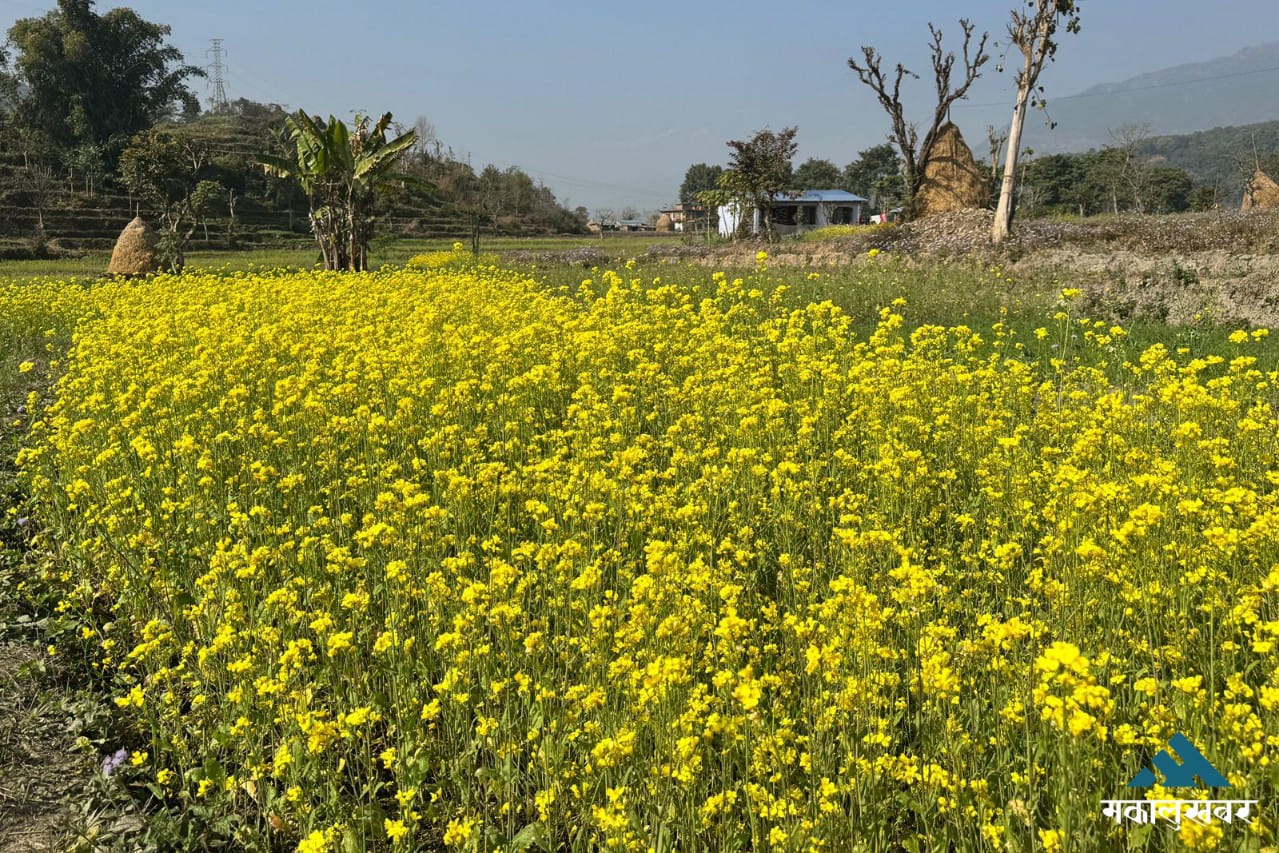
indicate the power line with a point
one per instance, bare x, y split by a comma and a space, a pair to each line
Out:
219, 70
1113, 93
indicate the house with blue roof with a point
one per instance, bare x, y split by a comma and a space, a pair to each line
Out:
800, 211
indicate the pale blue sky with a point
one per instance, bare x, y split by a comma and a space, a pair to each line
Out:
609, 102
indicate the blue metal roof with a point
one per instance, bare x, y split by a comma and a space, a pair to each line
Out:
819, 197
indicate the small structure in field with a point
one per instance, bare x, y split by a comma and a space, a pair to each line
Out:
1262, 193
135, 250
665, 223
593, 226
952, 179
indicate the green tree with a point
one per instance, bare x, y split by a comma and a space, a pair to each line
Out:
760, 168
877, 175
1203, 197
1056, 180
83, 78
88, 161
343, 171
1103, 189
816, 174
1033, 31
699, 178
166, 168
1168, 190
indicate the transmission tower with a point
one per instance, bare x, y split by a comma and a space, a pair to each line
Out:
218, 70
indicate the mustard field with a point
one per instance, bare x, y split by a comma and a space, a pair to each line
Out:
442, 557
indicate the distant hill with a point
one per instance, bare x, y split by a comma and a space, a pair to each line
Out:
1213, 157
1228, 91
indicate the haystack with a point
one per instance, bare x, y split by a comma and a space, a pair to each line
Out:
952, 179
135, 250
1262, 193
665, 223
593, 226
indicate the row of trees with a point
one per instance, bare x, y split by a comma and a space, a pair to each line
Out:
876, 175
1115, 179
349, 178
1111, 180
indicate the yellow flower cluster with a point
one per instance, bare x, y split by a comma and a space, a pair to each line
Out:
442, 557
458, 258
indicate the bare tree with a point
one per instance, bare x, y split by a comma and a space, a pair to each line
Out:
1134, 173
996, 142
40, 184
1032, 31
905, 135
428, 146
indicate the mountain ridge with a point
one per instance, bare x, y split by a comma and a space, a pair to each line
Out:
1229, 91
1247, 60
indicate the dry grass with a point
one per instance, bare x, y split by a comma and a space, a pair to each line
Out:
135, 251
1262, 193
952, 179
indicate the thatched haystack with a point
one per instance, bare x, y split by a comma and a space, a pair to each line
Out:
1262, 193
665, 223
952, 180
593, 226
135, 250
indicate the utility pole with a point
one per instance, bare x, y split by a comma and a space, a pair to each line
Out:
218, 69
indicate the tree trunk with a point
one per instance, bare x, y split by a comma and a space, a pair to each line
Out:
1004, 212
230, 223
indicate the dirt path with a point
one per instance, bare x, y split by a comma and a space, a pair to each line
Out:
41, 771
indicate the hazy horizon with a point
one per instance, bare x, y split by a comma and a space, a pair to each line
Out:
609, 105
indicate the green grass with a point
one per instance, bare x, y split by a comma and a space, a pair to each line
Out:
396, 251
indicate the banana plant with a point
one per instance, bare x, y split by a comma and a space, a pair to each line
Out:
342, 171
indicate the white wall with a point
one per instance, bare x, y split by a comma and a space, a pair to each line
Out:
729, 217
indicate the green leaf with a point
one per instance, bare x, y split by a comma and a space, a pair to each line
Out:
352, 841
276, 166
340, 144
384, 156
533, 835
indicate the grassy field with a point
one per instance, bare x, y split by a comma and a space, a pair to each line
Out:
881, 557
306, 256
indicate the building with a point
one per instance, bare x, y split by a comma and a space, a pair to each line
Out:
688, 217
800, 212
632, 225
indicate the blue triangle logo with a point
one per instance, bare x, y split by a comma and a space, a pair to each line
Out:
1180, 775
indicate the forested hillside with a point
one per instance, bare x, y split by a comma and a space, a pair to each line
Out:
98, 123
1223, 157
